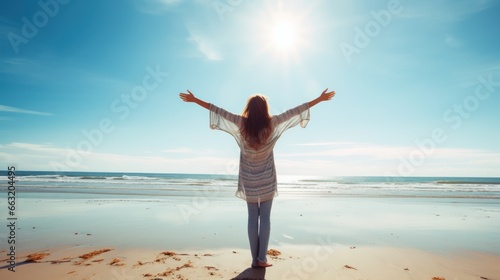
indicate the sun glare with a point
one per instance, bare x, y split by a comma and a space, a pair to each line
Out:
284, 36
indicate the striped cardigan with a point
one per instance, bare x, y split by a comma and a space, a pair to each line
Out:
257, 173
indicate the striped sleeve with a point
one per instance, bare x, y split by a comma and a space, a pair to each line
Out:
298, 115
223, 120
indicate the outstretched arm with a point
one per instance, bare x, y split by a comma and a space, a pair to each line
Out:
324, 96
189, 97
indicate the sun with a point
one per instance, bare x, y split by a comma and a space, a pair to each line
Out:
284, 36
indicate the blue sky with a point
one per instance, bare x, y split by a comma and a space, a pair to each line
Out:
93, 85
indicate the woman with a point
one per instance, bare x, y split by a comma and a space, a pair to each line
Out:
256, 133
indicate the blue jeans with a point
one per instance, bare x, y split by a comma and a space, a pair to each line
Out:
259, 213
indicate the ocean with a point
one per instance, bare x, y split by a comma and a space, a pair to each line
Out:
211, 185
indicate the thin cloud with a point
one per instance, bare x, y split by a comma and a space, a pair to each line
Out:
28, 146
4, 108
338, 143
31, 156
19, 66
179, 151
169, 2
370, 152
156, 7
380, 160
205, 47
184, 150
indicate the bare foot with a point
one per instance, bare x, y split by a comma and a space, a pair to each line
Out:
264, 264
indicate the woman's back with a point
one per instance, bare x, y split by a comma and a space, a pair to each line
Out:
257, 179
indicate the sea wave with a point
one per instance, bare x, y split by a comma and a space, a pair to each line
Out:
468, 182
186, 183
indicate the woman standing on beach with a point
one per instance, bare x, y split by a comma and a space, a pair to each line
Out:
256, 133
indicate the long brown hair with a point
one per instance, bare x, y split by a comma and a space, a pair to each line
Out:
256, 126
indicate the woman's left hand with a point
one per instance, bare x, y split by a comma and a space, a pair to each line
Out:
325, 95
187, 97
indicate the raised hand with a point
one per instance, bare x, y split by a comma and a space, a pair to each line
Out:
325, 95
187, 97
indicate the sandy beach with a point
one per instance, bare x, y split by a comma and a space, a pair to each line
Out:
290, 262
312, 238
